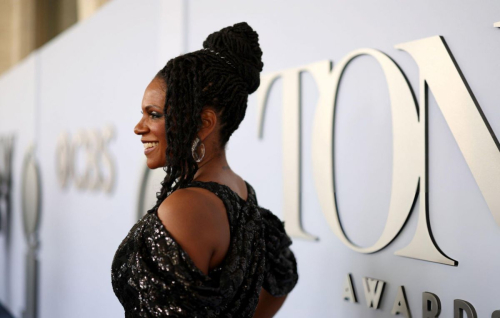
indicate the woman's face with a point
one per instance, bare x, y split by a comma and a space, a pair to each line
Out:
152, 124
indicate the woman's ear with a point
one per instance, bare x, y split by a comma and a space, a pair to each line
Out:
208, 122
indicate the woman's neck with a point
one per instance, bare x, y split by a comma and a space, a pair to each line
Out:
212, 168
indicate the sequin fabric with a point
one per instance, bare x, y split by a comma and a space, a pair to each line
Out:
152, 276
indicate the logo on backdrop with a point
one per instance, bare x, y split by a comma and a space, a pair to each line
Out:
431, 304
440, 73
85, 160
31, 195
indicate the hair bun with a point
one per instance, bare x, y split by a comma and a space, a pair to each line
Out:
240, 45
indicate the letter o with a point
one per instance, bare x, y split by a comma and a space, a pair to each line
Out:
407, 144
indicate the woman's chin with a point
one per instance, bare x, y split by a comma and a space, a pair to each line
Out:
153, 164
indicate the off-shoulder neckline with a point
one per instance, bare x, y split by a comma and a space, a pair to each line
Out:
187, 256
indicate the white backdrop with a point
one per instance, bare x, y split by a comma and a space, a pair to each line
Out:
95, 73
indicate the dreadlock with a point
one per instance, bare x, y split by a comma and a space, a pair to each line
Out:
221, 76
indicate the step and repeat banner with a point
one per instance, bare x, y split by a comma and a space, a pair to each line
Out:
373, 136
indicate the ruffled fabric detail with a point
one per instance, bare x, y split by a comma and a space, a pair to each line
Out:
281, 266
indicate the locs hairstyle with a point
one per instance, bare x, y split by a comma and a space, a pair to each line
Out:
196, 79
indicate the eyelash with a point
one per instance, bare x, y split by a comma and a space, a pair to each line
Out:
152, 114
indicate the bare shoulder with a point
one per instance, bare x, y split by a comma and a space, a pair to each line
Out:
185, 205
188, 215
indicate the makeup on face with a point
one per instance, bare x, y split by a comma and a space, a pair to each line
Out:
152, 125
151, 145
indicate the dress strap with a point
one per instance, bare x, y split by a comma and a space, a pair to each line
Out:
252, 197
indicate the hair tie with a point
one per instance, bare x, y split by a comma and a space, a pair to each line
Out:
222, 57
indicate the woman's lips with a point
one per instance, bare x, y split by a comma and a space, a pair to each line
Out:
150, 146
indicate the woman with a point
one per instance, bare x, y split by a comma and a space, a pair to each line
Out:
206, 249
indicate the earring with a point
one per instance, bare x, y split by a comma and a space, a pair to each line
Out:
193, 150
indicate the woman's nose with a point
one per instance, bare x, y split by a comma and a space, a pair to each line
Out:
140, 129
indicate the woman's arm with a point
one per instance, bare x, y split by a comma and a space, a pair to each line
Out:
268, 305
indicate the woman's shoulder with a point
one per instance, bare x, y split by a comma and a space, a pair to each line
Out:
187, 205
193, 220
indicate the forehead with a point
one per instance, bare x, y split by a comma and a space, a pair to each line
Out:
155, 93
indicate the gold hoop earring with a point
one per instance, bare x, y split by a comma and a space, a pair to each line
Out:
193, 150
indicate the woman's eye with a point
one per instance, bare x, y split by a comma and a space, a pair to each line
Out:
155, 115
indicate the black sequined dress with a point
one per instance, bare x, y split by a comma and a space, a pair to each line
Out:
152, 276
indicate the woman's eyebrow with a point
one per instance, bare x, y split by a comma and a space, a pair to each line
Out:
149, 106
